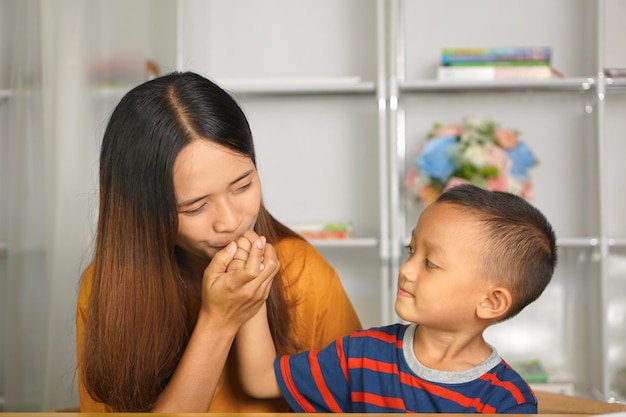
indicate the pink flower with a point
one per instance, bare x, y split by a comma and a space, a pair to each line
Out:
497, 157
455, 182
505, 137
410, 179
527, 191
453, 131
428, 194
500, 183
413, 183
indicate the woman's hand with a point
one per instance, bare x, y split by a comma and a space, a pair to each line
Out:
229, 298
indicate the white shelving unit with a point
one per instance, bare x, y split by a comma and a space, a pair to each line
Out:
572, 124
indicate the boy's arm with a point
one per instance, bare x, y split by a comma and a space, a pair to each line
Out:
256, 353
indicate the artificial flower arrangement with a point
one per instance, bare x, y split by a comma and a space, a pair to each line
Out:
477, 151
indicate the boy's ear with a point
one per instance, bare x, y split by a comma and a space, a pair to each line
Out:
496, 304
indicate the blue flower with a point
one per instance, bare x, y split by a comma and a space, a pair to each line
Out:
434, 160
522, 158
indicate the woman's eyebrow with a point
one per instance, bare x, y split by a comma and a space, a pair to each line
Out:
242, 176
196, 199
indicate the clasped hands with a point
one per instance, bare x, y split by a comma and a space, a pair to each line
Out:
238, 280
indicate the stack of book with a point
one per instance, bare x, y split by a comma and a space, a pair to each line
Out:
324, 230
506, 63
539, 379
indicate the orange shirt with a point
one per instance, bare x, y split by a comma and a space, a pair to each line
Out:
323, 313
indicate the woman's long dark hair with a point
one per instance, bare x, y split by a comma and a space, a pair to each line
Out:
142, 307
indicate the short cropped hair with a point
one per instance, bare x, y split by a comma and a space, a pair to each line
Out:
519, 251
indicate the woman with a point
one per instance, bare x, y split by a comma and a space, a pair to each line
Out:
160, 305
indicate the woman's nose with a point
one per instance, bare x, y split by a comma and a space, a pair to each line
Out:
226, 217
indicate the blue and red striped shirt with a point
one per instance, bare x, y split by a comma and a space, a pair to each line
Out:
376, 371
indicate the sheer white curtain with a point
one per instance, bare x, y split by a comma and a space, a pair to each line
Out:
64, 64
47, 192
69, 186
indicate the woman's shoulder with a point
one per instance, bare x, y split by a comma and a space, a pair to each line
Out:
323, 310
297, 254
304, 267
85, 286
289, 245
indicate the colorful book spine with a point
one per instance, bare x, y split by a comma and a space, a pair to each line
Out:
324, 230
494, 72
498, 63
532, 371
455, 56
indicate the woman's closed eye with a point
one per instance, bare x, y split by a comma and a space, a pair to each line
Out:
195, 210
243, 188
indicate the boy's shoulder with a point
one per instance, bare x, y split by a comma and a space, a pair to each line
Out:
504, 388
395, 329
391, 336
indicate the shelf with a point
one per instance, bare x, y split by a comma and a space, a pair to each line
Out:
296, 86
588, 242
616, 85
617, 241
577, 242
5, 95
112, 91
566, 242
251, 87
561, 84
359, 242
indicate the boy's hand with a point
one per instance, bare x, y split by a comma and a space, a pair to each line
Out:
236, 293
244, 244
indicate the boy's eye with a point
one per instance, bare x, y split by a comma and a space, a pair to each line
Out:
409, 249
429, 264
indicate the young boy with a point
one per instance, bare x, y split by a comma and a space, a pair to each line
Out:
476, 258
